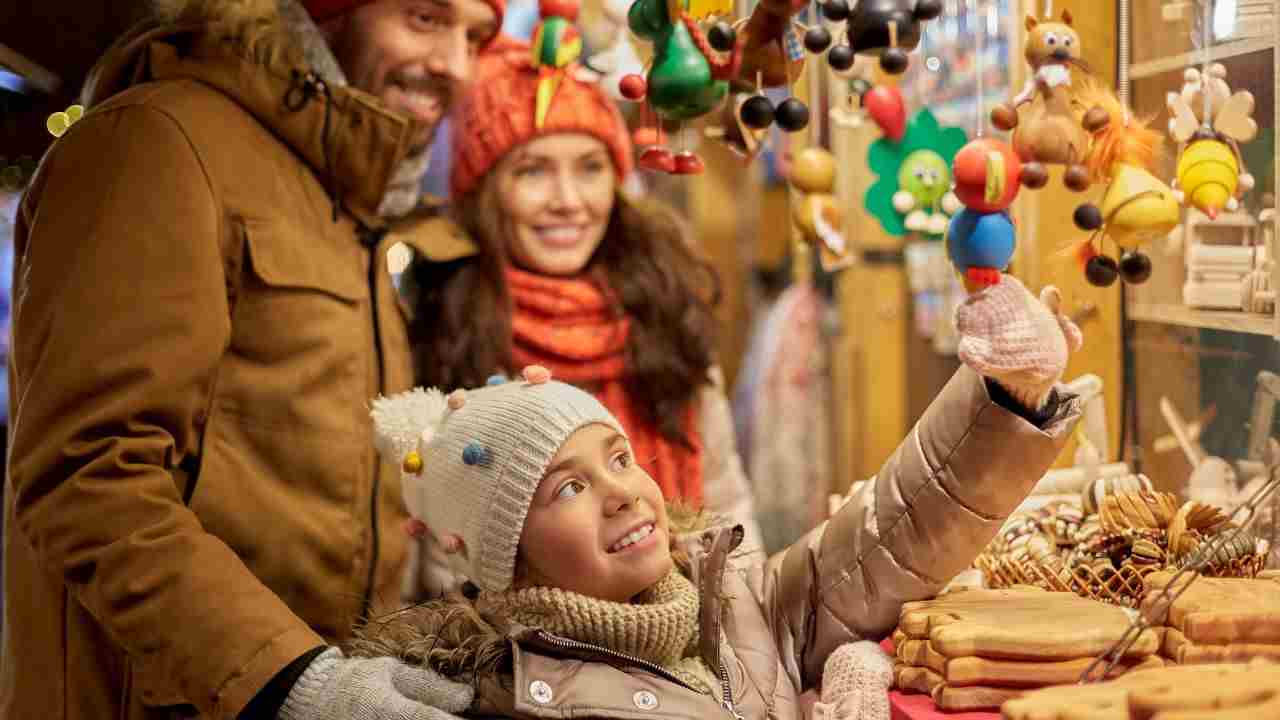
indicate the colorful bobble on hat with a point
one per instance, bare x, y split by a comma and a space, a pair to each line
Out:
496, 380
412, 463
536, 375
476, 454
457, 399
556, 44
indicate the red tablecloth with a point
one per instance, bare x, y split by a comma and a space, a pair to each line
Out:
917, 706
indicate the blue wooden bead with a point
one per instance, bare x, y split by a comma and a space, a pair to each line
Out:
496, 380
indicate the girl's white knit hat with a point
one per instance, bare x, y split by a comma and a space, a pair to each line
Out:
471, 462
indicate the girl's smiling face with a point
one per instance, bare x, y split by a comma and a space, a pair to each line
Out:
598, 524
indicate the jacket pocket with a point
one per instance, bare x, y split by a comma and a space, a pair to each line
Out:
301, 336
282, 257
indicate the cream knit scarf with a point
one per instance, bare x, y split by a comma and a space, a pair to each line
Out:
660, 627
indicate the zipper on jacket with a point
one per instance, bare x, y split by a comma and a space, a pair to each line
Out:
371, 239
727, 701
727, 694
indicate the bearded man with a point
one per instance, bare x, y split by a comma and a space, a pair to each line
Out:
195, 512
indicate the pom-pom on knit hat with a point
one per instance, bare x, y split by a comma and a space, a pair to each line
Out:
501, 111
472, 461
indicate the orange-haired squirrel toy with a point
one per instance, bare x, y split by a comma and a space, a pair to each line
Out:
1136, 207
1049, 131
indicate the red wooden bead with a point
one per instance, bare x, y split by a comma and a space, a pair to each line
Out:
633, 87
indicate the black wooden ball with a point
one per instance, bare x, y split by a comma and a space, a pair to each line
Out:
1101, 271
1088, 217
894, 61
840, 58
722, 37
1135, 268
817, 39
792, 115
835, 10
757, 112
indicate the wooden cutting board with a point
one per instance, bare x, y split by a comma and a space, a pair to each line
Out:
1020, 624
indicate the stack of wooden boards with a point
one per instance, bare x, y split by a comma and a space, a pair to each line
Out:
1219, 620
976, 649
1187, 692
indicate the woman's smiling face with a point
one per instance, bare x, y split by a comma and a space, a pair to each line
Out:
556, 193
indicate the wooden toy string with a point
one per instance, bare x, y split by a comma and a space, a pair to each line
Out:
980, 68
1204, 47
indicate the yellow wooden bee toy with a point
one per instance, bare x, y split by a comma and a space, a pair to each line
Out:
1209, 123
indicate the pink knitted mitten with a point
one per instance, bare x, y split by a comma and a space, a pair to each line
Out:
855, 684
1018, 341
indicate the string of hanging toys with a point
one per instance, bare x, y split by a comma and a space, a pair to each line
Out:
1065, 116
697, 69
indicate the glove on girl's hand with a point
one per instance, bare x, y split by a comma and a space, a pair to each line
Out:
334, 687
855, 684
1020, 342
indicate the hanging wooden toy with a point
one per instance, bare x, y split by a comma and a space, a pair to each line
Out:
1136, 208
686, 80
817, 214
1209, 122
887, 29
913, 191
1049, 130
743, 140
981, 237
773, 56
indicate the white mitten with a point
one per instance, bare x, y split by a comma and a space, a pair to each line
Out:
334, 687
1022, 343
855, 683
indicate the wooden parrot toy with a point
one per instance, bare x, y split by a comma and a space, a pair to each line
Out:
556, 45
1136, 208
1209, 122
981, 238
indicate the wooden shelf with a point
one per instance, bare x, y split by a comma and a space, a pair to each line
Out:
1216, 53
1179, 314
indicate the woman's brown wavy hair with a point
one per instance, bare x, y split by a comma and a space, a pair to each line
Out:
462, 333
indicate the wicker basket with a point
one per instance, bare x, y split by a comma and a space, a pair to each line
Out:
1124, 586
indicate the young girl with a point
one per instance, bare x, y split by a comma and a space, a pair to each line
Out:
589, 597
569, 272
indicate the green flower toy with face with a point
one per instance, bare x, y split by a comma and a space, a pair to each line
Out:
913, 190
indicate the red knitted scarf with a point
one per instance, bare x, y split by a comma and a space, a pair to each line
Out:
567, 325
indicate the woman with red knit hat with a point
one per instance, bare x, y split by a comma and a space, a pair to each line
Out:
573, 274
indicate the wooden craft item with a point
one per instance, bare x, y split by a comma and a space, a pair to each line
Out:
1049, 129
1179, 649
1217, 611
946, 697
1020, 624
969, 671
1191, 692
